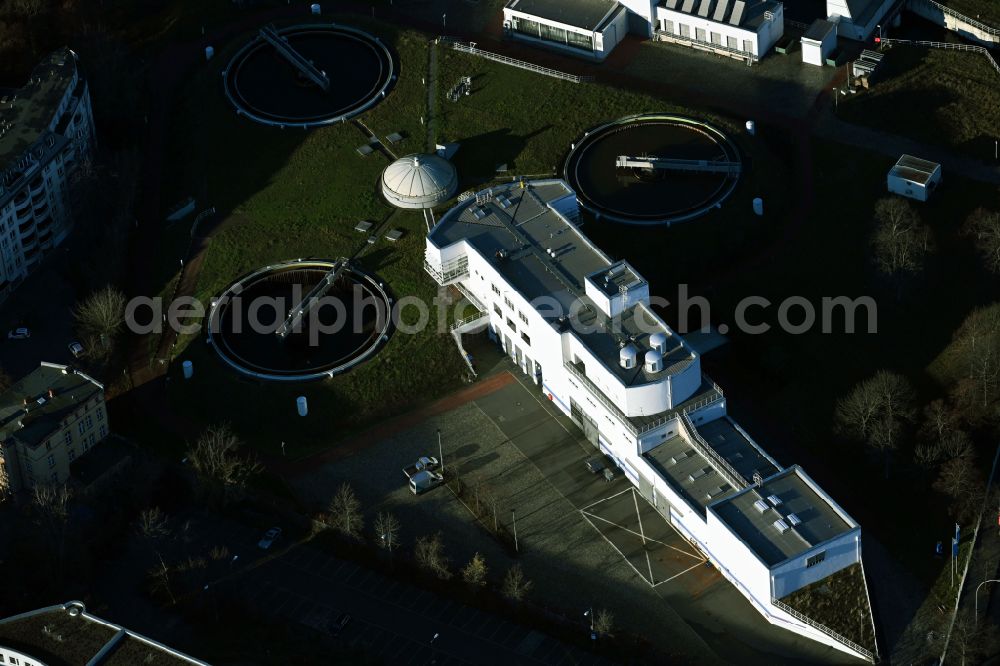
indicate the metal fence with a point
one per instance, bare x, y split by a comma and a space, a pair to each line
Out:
470, 48
951, 46
867, 654
735, 478
988, 29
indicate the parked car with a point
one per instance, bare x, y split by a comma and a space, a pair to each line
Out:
270, 537
76, 349
597, 465
338, 623
423, 481
19, 334
424, 463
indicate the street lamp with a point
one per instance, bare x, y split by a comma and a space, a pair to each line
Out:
590, 613
433, 652
988, 580
444, 20
440, 451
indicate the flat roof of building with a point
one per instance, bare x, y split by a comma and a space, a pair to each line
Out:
915, 169
736, 448
26, 113
689, 472
819, 30
543, 255
66, 635
33, 422
809, 517
584, 14
748, 14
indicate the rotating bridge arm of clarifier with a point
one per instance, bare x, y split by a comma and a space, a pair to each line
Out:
667, 164
299, 61
298, 313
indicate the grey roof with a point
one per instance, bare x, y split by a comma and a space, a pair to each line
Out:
747, 14
33, 106
515, 229
914, 169
862, 11
691, 474
820, 519
819, 30
29, 415
584, 14
730, 442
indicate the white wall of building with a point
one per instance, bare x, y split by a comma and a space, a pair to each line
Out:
795, 573
722, 35
840, 13
913, 189
603, 41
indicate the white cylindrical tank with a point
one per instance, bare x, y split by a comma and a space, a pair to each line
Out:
315, 9
188, 368
654, 361
751, 127
658, 342
209, 52
758, 206
302, 404
627, 356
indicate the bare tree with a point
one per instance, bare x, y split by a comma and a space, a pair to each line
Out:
28, 8
100, 318
387, 530
876, 410
161, 578
51, 507
6, 381
429, 553
515, 586
4, 479
221, 467
974, 355
942, 438
604, 622
474, 573
983, 226
901, 241
972, 639
153, 526
962, 482
345, 512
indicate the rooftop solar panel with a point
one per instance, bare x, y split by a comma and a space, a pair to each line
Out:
737, 16
720, 11
703, 9
688, 6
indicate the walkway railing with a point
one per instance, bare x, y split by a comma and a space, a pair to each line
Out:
988, 29
707, 46
470, 48
453, 270
949, 46
469, 296
735, 478
867, 654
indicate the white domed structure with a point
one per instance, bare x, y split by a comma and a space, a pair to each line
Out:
419, 181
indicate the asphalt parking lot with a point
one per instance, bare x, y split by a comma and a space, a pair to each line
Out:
641, 536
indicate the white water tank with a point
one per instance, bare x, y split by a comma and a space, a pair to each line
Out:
188, 368
751, 127
209, 52
315, 9
654, 361
627, 357
302, 404
758, 206
658, 342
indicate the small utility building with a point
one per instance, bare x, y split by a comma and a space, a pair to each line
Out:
589, 28
914, 178
818, 42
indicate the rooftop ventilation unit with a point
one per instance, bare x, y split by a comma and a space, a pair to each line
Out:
627, 357
774, 500
794, 520
760, 505
781, 526
658, 342
698, 473
654, 361
680, 456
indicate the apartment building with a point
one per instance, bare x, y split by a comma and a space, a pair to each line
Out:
47, 420
46, 130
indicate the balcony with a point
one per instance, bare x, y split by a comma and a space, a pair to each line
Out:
37, 186
29, 241
26, 227
451, 272
21, 202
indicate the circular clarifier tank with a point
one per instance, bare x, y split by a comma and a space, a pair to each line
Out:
653, 169
301, 320
355, 71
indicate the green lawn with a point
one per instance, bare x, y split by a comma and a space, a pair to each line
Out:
949, 98
299, 194
839, 602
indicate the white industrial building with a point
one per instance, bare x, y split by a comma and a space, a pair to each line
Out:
857, 19
745, 29
914, 178
46, 129
818, 42
589, 28
580, 325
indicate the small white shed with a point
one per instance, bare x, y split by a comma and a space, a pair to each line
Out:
818, 42
914, 178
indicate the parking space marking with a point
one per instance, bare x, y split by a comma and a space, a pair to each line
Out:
612, 544
691, 568
606, 499
634, 533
